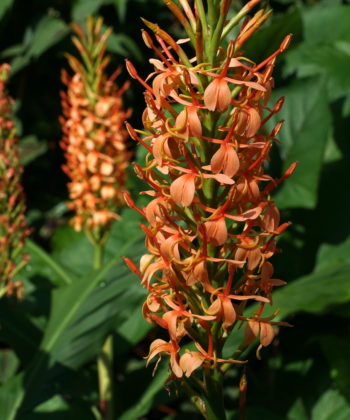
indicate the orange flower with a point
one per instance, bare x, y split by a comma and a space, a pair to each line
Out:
211, 224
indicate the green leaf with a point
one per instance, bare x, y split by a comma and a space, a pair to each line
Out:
336, 350
331, 406
324, 52
121, 6
9, 393
316, 292
297, 411
4, 6
325, 24
48, 32
44, 260
269, 37
31, 148
84, 8
144, 402
124, 45
8, 364
333, 255
303, 139
80, 319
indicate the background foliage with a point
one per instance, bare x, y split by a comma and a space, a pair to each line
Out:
49, 340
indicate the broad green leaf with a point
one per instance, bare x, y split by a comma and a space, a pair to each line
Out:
4, 6
332, 405
11, 394
270, 36
8, 364
303, 138
144, 402
18, 331
336, 350
41, 262
297, 411
48, 32
325, 24
78, 323
124, 45
330, 61
326, 286
74, 251
135, 327
84, 8
324, 52
316, 292
333, 255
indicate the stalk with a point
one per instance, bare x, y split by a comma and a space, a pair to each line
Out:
214, 397
105, 358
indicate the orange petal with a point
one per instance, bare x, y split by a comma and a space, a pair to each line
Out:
216, 231
224, 95
267, 333
211, 95
191, 361
229, 313
225, 159
182, 189
194, 122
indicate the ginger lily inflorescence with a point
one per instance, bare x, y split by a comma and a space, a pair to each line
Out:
94, 134
211, 225
13, 225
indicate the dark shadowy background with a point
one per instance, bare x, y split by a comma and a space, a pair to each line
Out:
305, 373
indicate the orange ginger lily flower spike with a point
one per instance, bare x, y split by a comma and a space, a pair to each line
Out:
211, 225
13, 225
94, 138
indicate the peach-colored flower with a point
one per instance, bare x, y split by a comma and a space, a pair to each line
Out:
211, 225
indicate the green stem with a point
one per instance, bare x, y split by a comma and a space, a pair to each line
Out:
105, 359
98, 256
214, 398
105, 378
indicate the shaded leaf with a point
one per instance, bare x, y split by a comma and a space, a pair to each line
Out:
4, 6
336, 350
331, 406
303, 138
84, 8
124, 45
144, 402
77, 325
31, 148
48, 32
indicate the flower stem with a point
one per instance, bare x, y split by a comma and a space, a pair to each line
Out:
105, 359
214, 398
105, 379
